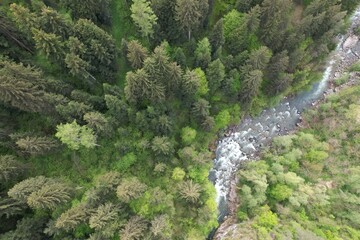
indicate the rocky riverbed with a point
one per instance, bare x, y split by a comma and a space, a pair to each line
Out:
246, 140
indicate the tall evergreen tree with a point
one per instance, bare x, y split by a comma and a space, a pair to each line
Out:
136, 54
215, 74
250, 86
216, 37
48, 43
35, 145
188, 14
203, 53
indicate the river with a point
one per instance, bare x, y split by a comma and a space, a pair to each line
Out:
255, 133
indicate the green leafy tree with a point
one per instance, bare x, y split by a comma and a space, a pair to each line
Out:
188, 135
136, 54
76, 136
203, 53
143, 16
280, 192
178, 174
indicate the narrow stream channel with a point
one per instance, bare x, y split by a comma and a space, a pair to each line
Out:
255, 133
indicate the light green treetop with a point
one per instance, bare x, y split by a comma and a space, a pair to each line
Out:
75, 136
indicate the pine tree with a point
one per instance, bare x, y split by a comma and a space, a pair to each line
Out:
73, 110
258, 59
10, 207
136, 54
76, 65
103, 215
162, 146
70, 219
276, 73
10, 168
36, 145
188, 14
215, 74
25, 19
216, 37
49, 43
53, 22
250, 86
201, 109
20, 87
274, 22
160, 227
134, 229
75, 46
22, 190
129, 189
190, 191
49, 196
203, 53
97, 121
143, 16
190, 82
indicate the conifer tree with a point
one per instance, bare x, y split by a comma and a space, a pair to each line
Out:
97, 121
136, 54
35, 145
190, 191
25, 19
162, 146
22, 190
53, 22
188, 14
130, 188
9, 168
143, 16
103, 215
49, 196
216, 37
251, 86
76, 65
134, 229
71, 218
49, 43
215, 74
203, 53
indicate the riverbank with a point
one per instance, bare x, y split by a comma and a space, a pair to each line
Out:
346, 54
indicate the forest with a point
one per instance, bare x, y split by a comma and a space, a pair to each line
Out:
110, 110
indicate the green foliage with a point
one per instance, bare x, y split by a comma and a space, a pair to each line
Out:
222, 119
76, 136
143, 16
178, 174
125, 162
188, 135
203, 53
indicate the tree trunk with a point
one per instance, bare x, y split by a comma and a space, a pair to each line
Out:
189, 34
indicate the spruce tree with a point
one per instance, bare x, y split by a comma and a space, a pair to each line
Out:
130, 188
216, 37
136, 54
188, 14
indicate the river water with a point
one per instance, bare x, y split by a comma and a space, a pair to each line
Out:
255, 133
